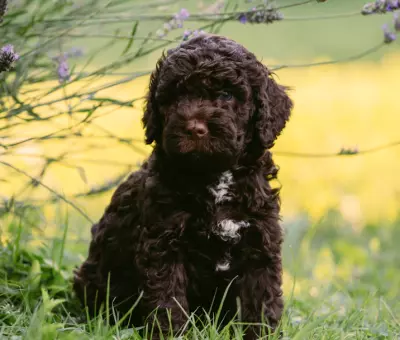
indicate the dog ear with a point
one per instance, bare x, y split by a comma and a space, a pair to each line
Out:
272, 109
152, 121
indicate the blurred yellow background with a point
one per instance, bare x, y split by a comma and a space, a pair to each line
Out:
351, 105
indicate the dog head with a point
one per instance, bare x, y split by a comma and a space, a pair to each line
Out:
212, 103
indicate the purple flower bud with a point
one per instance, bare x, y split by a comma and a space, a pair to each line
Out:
175, 22
167, 27
75, 52
392, 5
242, 18
279, 16
63, 69
184, 14
368, 9
388, 36
186, 35
9, 49
160, 33
7, 57
197, 32
178, 23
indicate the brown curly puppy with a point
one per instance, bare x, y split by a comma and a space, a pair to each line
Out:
200, 212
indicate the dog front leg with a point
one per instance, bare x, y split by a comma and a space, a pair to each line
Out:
165, 298
261, 299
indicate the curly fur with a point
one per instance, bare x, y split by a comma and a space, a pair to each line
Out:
200, 212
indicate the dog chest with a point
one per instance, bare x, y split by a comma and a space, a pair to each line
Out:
225, 227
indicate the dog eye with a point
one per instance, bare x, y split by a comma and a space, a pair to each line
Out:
225, 96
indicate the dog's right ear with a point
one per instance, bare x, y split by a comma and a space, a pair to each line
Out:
273, 108
152, 121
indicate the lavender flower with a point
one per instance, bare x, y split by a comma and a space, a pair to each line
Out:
183, 14
242, 18
63, 69
7, 58
197, 32
392, 5
3, 9
62, 62
258, 16
380, 6
188, 33
179, 18
175, 22
388, 36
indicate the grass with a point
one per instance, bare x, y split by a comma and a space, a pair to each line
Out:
341, 260
341, 276
339, 283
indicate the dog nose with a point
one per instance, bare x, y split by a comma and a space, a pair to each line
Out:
197, 127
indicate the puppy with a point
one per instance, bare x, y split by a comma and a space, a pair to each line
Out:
200, 214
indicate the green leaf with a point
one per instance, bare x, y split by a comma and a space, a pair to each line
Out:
130, 42
35, 274
48, 303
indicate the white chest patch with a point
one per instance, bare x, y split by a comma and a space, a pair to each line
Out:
221, 190
222, 266
229, 229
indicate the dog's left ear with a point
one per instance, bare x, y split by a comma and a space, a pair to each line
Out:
152, 120
273, 107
